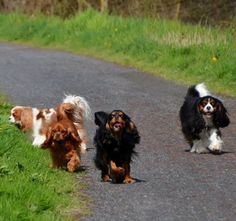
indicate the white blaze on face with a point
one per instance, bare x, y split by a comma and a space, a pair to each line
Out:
49, 114
12, 119
208, 108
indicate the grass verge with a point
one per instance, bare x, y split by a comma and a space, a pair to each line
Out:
29, 189
183, 53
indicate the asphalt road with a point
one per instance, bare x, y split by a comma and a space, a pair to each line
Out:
173, 184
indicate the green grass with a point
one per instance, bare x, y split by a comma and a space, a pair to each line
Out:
183, 53
29, 189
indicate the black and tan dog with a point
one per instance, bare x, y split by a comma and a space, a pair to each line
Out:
115, 140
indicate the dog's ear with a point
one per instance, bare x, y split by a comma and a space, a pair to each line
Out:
39, 115
131, 130
48, 140
74, 136
65, 110
130, 125
68, 108
221, 118
49, 133
196, 118
101, 118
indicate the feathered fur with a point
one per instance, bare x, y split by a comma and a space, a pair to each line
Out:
76, 109
115, 140
201, 116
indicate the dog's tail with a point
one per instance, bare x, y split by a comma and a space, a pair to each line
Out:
199, 90
82, 109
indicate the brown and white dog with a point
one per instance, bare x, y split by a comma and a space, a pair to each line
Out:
35, 122
23, 117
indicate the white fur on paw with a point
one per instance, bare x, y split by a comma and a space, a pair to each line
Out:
215, 147
83, 147
38, 141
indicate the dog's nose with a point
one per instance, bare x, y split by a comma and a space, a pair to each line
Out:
208, 108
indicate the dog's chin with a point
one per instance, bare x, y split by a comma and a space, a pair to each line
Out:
208, 114
58, 138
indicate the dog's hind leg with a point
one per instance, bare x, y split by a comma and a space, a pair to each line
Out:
117, 173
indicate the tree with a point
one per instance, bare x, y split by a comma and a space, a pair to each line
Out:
103, 5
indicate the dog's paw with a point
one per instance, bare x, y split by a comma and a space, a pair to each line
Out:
73, 164
83, 148
202, 150
106, 178
215, 148
39, 141
199, 150
128, 181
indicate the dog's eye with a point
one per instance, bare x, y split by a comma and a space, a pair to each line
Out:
213, 103
120, 115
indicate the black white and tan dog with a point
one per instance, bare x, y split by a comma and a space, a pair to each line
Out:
115, 140
201, 116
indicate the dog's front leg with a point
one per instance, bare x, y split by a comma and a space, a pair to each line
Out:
128, 179
215, 141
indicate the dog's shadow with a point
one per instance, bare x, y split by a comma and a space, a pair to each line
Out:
82, 169
139, 180
213, 153
222, 152
90, 148
135, 179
